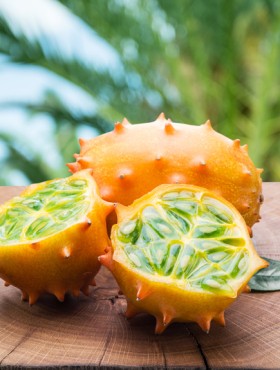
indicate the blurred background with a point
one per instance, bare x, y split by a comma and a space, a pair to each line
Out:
72, 68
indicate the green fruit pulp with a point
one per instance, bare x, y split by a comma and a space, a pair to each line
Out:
52, 207
188, 237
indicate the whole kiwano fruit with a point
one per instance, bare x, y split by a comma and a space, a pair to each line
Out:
181, 253
51, 236
133, 159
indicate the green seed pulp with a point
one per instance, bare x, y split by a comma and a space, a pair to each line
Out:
189, 237
55, 207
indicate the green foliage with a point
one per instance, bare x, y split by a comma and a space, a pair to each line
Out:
267, 279
193, 60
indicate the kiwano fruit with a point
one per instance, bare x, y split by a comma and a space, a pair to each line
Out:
51, 236
133, 159
181, 253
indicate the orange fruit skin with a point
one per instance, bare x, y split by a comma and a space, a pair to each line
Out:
169, 302
133, 159
64, 262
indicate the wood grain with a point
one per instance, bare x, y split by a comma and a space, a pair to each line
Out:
91, 332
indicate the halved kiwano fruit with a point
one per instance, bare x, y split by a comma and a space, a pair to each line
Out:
51, 236
181, 253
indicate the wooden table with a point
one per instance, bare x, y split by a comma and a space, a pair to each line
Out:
88, 333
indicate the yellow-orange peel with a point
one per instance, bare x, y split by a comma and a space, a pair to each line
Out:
133, 159
51, 236
181, 253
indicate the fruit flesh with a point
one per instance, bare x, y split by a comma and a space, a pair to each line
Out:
51, 237
37, 215
133, 159
181, 253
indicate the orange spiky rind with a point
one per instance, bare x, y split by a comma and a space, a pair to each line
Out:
245, 147
208, 125
82, 142
106, 259
63, 259
161, 117
125, 122
236, 144
142, 292
169, 128
220, 319
168, 297
119, 127
131, 310
158, 152
73, 167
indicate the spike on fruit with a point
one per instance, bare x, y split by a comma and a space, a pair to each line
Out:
75, 292
205, 324
60, 294
65, 252
131, 310
35, 246
160, 327
32, 298
73, 167
177, 178
142, 292
247, 172
119, 127
220, 319
245, 147
108, 207
250, 231
106, 259
125, 122
161, 117
85, 223
260, 170
208, 125
82, 142
169, 128
84, 161
246, 289
167, 318
124, 173
245, 207
236, 144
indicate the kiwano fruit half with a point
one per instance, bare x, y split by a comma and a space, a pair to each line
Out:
181, 253
133, 159
51, 236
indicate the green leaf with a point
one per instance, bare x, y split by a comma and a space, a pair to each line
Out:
267, 279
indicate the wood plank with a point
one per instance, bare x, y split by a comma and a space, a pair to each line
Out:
92, 332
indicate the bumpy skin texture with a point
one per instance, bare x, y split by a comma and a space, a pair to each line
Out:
181, 253
134, 159
65, 261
